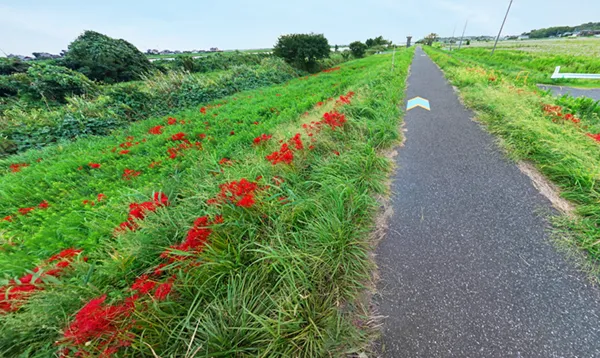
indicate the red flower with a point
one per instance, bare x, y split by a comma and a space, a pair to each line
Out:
203, 110
231, 133
297, 142
241, 193
7, 218
94, 165
284, 155
124, 151
247, 201
161, 199
101, 197
178, 136
319, 104
262, 138
225, 161
256, 122
595, 137
130, 173
15, 168
25, 211
143, 285
43, 205
336, 152
171, 121
334, 119
202, 135
65, 254
156, 130
163, 290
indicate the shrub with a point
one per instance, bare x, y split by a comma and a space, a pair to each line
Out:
302, 50
8, 66
105, 59
358, 49
56, 83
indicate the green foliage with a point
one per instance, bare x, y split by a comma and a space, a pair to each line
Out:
468, 42
8, 66
210, 63
127, 102
358, 49
378, 41
105, 59
346, 54
302, 50
430, 39
55, 83
559, 30
279, 279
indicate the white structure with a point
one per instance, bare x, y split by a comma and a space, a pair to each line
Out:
588, 76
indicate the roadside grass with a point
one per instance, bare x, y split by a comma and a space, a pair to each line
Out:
559, 148
280, 278
539, 66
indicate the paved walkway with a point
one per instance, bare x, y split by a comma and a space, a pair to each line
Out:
593, 93
467, 268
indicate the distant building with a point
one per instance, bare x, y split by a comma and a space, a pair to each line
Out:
523, 37
215, 49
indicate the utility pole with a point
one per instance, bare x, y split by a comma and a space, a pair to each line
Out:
501, 27
463, 34
453, 31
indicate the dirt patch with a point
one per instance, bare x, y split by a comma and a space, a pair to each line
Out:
547, 189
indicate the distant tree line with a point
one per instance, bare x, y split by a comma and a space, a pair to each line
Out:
559, 30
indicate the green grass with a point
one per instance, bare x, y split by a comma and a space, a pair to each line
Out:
259, 50
539, 65
560, 149
278, 279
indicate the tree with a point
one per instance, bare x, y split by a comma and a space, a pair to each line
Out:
336, 47
103, 58
378, 41
468, 42
358, 49
431, 38
302, 50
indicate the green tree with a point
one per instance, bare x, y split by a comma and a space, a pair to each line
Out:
302, 50
430, 39
378, 41
103, 58
358, 49
336, 47
56, 83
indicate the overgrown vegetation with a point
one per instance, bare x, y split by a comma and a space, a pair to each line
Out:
302, 50
204, 234
560, 136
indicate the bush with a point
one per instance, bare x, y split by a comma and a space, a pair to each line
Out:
358, 49
56, 83
102, 58
8, 66
302, 50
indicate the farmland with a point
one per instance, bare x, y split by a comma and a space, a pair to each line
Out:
579, 46
560, 136
251, 211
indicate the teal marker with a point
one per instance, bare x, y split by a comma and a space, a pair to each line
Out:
418, 102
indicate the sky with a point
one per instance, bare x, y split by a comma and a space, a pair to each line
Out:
49, 26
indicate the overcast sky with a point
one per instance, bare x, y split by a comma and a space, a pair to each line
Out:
50, 25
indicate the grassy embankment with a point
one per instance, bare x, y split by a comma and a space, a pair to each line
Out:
272, 267
555, 134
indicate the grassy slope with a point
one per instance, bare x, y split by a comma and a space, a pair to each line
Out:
277, 279
559, 149
539, 66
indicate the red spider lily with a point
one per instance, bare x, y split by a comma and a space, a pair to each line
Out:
336, 152
171, 121
256, 123
90, 202
159, 269
595, 137
241, 193
311, 147
332, 69
553, 110
126, 145
94, 165
102, 323
156, 130
43, 205
101, 197
130, 173
195, 239
178, 136
284, 155
65, 254
572, 118
143, 285
124, 152
163, 290
138, 211
154, 164
15, 168
297, 142
174, 152
7, 218
161, 199
334, 119
25, 211
262, 138
231, 133
202, 135
492, 78
203, 110
319, 104
225, 161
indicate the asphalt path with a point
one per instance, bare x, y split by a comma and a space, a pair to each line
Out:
593, 93
467, 268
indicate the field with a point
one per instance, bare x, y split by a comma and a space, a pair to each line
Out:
204, 54
578, 46
252, 211
560, 136
539, 58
